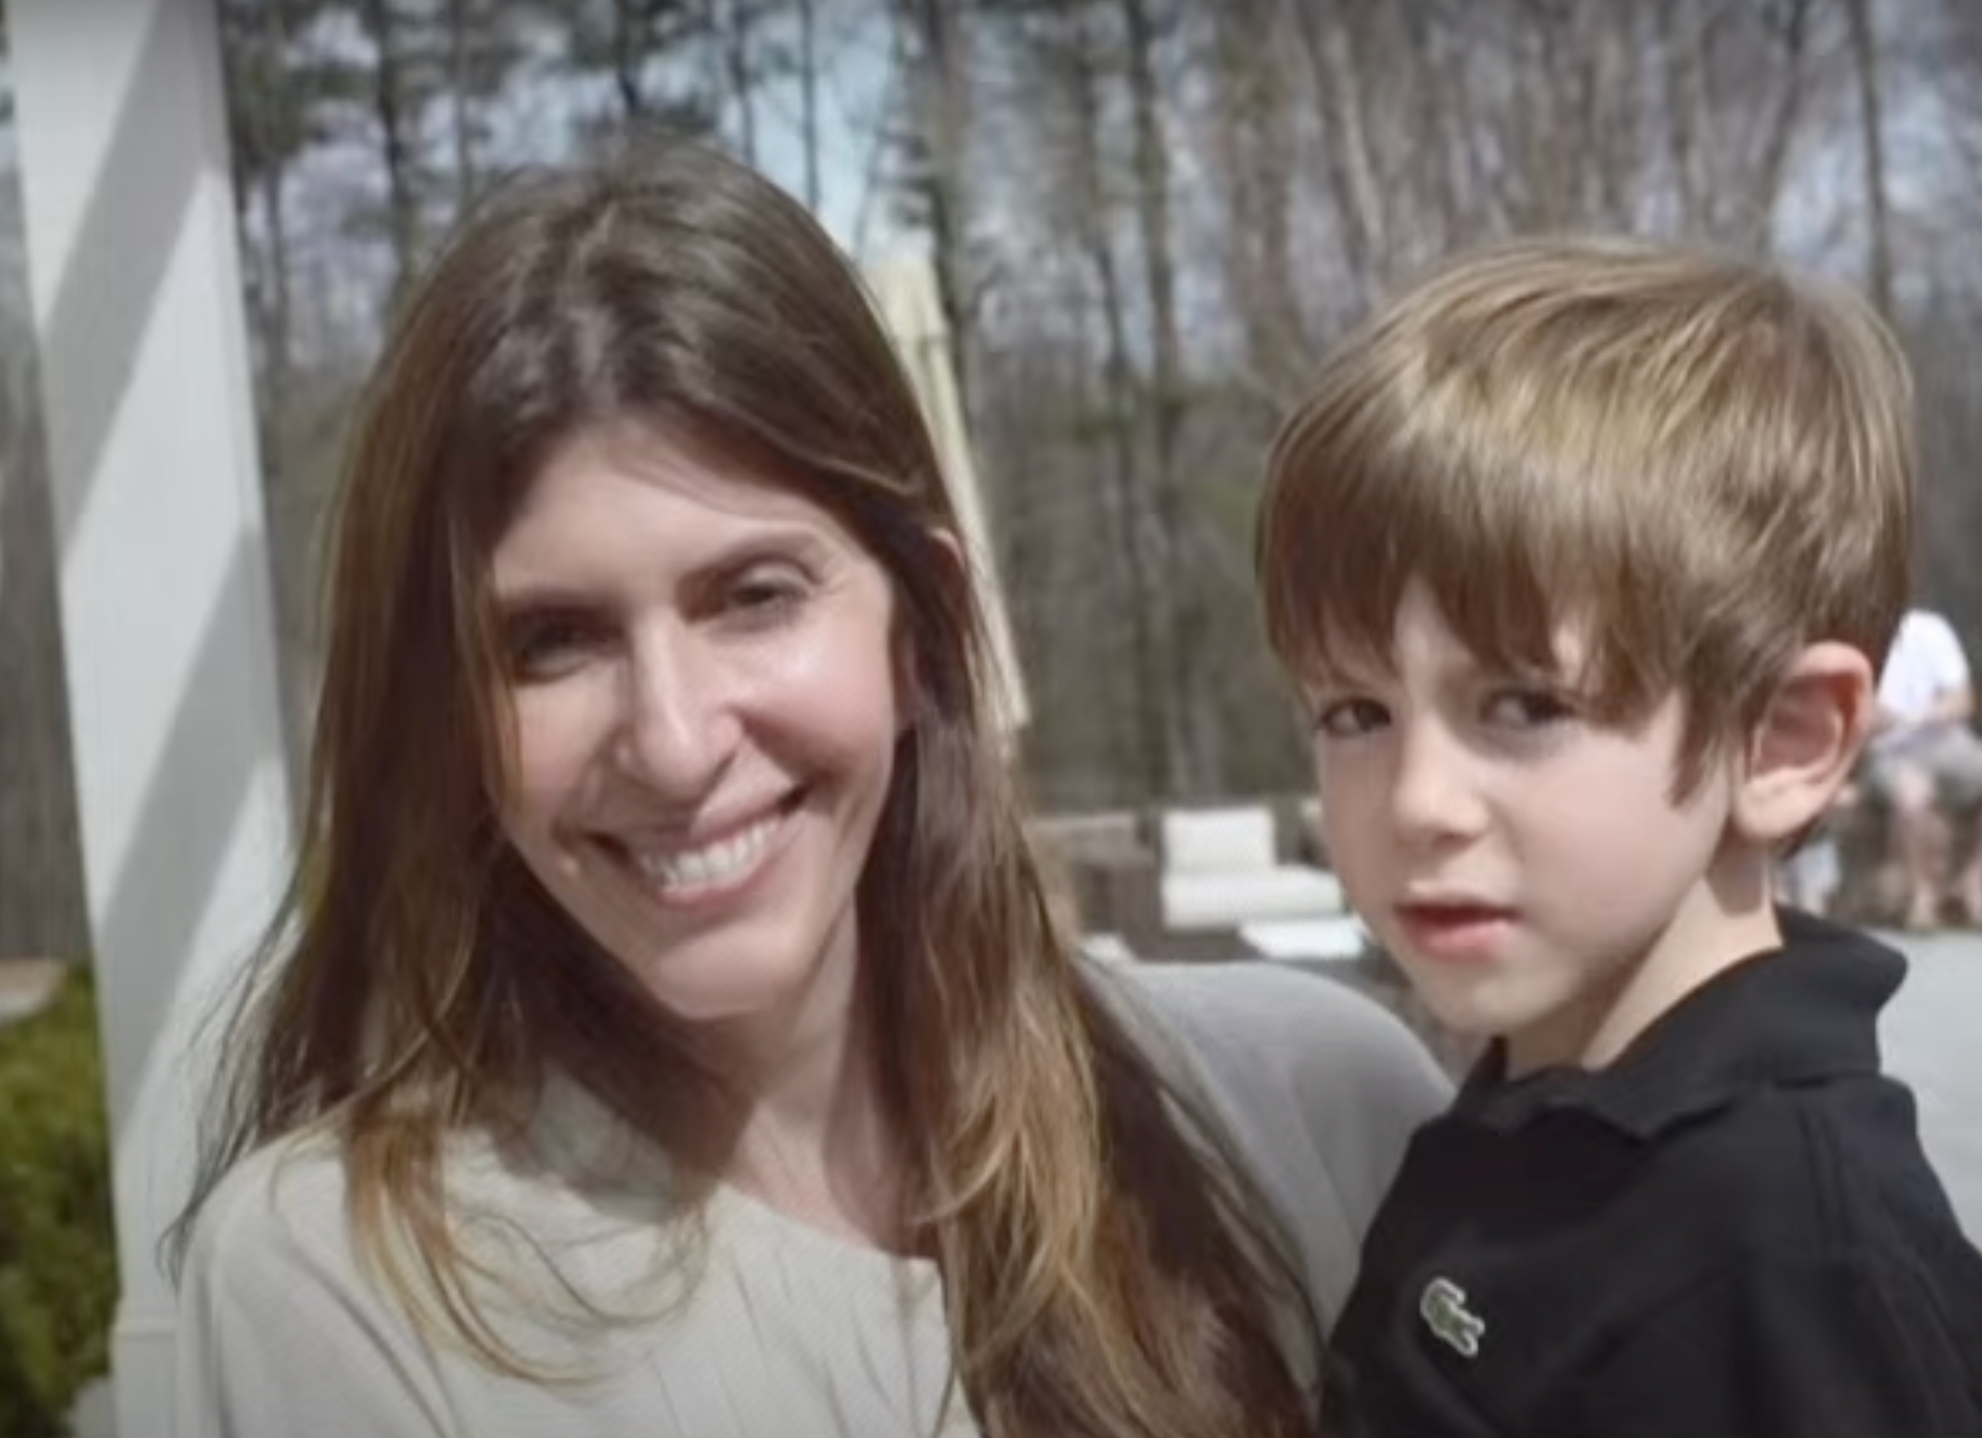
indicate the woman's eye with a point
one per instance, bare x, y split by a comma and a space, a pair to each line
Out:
1346, 718
541, 647
765, 595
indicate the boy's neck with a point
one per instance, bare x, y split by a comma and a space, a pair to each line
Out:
1728, 917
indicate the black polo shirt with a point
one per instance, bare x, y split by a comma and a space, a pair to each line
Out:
1729, 1232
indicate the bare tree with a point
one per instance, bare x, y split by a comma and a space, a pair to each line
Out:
648, 54
934, 46
1253, 155
463, 82
808, 83
397, 137
1148, 216
1340, 70
1735, 83
1865, 69
1192, 735
1068, 53
730, 27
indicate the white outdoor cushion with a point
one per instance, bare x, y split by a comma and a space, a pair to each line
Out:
1217, 841
1225, 901
1107, 949
1337, 936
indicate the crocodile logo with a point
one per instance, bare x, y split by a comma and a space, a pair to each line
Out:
1443, 1308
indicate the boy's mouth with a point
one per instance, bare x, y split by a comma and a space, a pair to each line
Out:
1454, 929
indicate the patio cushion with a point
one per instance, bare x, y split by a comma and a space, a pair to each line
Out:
1227, 900
1236, 839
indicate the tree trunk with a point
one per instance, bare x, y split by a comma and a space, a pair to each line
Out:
940, 108
733, 35
808, 96
1784, 116
277, 359
461, 70
1865, 64
395, 147
1191, 731
1129, 511
1254, 143
1337, 70
628, 58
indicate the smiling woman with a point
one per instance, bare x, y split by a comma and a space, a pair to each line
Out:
667, 1032
705, 715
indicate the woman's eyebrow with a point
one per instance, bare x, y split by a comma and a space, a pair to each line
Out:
788, 542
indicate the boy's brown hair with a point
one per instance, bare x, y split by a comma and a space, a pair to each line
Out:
1705, 461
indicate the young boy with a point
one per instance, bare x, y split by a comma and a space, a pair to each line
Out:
1585, 555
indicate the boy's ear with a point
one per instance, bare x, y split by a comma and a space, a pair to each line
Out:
1803, 749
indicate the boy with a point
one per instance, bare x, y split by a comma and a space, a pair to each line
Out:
1585, 554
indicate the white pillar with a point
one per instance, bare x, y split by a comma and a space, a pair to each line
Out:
166, 611
904, 289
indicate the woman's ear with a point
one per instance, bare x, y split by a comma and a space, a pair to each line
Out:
952, 547
1803, 749
911, 688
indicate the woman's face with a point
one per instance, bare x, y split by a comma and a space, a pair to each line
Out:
701, 667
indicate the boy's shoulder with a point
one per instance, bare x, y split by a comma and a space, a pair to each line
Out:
1752, 1123
1733, 1229
1761, 1094
1784, 1027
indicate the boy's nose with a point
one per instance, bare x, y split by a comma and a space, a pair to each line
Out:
1431, 794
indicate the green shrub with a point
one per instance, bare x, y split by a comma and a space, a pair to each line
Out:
58, 1257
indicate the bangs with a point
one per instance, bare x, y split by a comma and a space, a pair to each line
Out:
1692, 466
1492, 505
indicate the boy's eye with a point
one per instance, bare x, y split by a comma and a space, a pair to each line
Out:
1346, 718
1528, 708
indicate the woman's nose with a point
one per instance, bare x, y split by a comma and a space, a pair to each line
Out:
680, 723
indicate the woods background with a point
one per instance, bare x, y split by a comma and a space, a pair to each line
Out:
1148, 217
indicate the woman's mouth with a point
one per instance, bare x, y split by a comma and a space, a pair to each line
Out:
678, 873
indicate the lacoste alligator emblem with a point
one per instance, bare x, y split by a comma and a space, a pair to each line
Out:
1443, 1308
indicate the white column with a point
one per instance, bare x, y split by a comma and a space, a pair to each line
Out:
166, 613
904, 289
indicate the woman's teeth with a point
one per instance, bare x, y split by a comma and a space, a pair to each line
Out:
710, 864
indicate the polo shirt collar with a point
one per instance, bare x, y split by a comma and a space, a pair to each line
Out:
1800, 1013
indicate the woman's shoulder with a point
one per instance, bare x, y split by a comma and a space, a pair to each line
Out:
283, 1200
285, 1211
1318, 1087
1266, 1023
291, 1309
281, 1331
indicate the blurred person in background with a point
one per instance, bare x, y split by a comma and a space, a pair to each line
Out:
1924, 761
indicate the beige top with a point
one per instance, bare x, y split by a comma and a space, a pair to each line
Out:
780, 1329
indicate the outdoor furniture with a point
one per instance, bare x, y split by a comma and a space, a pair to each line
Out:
1222, 868
1185, 883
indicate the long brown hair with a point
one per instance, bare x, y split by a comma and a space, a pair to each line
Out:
1107, 1270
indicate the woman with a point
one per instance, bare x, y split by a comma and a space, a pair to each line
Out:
667, 1032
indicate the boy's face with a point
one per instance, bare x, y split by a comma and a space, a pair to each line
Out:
1532, 872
